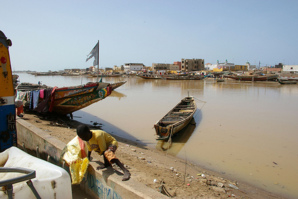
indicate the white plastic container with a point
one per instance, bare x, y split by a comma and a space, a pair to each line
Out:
51, 181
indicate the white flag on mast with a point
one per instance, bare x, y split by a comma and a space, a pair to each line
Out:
94, 53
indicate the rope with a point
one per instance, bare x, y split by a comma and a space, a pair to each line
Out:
201, 101
169, 140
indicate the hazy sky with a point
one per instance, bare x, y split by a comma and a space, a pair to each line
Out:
58, 34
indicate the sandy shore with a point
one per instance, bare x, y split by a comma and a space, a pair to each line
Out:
159, 170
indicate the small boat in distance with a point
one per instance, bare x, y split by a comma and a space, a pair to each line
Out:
176, 119
187, 77
283, 81
253, 78
149, 76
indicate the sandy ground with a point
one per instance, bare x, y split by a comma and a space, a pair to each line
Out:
157, 169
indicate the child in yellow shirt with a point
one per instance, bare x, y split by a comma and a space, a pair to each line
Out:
104, 144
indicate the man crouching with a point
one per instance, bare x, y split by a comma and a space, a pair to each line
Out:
104, 144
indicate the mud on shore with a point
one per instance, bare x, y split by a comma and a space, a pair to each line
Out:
162, 172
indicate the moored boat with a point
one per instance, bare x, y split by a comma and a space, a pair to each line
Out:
176, 119
64, 100
285, 81
253, 77
149, 76
117, 84
188, 77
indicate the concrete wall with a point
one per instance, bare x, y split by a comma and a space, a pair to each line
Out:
99, 184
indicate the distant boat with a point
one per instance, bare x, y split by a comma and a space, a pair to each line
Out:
106, 75
176, 119
253, 77
283, 81
188, 77
149, 76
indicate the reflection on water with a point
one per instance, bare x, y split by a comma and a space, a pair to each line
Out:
117, 94
177, 142
242, 129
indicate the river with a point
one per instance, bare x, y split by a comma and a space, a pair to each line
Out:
245, 130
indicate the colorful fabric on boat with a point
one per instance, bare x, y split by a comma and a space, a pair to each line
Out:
52, 99
41, 93
74, 154
21, 95
35, 98
43, 106
100, 141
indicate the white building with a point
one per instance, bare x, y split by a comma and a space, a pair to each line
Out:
133, 67
290, 68
225, 65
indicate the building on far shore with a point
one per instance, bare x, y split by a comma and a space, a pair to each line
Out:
164, 67
133, 67
290, 68
192, 65
225, 66
178, 63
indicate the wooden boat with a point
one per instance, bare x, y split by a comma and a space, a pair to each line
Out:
8, 132
176, 119
220, 80
117, 84
106, 75
284, 81
288, 77
66, 100
253, 77
30, 177
25, 86
149, 76
188, 77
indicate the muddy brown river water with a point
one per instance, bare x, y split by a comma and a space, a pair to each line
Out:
248, 131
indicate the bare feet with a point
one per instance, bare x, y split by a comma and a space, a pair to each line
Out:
126, 176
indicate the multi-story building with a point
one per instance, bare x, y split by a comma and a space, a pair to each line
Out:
133, 67
192, 64
240, 67
178, 63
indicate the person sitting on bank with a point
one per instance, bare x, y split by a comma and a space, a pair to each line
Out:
104, 144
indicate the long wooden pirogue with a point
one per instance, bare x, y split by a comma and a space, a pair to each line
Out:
176, 119
63, 100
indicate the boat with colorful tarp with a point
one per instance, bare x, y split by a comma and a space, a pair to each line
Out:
64, 100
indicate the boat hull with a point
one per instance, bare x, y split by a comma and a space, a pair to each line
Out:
117, 84
70, 99
8, 132
165, 132
195, 77
74, 103
150, 76
287, 81
254, 78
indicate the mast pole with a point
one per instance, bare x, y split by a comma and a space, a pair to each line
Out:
98, 60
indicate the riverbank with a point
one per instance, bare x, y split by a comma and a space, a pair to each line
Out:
157, 169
